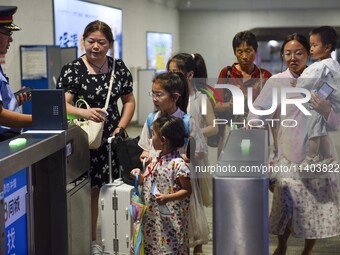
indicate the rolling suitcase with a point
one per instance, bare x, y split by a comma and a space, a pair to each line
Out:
116, 221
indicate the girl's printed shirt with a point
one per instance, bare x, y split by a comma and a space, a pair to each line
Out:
166, 234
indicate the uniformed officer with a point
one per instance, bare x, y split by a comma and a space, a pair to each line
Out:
11, 120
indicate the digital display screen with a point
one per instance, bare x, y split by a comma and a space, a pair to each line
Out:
72, 16
158, 51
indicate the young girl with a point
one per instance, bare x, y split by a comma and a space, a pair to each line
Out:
170, 95
166, 191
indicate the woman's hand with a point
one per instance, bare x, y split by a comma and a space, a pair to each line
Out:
22, 97
116, 131
320, 105
94, 114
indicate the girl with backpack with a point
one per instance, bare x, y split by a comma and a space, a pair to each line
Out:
170, 95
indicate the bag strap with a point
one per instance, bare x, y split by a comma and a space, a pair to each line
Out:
80, 102
150, 120
229, 70
261, 78
227, 76
112, 78
186, 120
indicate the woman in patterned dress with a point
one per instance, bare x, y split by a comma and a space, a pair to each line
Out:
88, 77
303, 206
166, 191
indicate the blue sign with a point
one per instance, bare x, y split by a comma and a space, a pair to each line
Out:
15, 190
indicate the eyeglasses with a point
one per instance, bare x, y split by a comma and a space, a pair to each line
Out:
156, 95
298, 53
6, 32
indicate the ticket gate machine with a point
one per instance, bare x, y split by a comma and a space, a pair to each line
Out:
240, 210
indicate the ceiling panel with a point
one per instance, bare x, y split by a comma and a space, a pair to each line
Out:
223, 5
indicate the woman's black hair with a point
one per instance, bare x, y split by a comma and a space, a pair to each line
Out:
201, 68
184, 61
175, 83
99, 26
245, 37
190, 62
294, 37
172, 128
297, 37
327, 34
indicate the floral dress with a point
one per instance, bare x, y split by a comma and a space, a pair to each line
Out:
309, 207
166, 234
198, 224
76, 79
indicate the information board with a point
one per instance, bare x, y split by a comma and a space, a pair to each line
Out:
15, 190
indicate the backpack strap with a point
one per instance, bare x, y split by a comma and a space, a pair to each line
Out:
227, 94
149, 121
228, 74
186, 119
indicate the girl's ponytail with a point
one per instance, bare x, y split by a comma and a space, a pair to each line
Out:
183, 89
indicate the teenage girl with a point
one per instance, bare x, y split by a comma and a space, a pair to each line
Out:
194, 69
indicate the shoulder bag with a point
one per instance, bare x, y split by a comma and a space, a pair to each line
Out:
94, 129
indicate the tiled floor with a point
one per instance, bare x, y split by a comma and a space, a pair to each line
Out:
329, 246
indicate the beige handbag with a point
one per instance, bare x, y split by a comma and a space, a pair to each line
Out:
94, 129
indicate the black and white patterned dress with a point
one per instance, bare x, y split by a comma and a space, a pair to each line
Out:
76, 79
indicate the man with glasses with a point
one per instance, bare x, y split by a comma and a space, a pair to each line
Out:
10, 116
